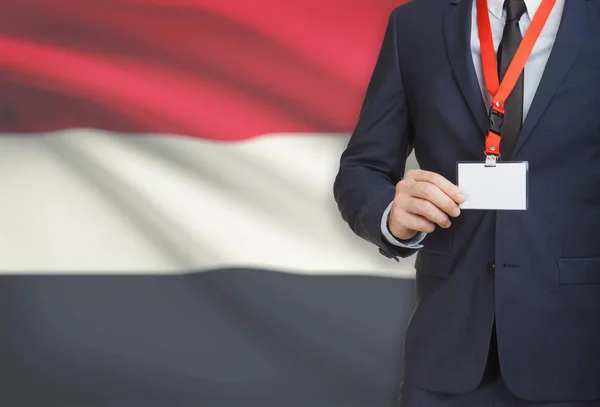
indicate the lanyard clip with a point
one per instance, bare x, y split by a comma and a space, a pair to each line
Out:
490, 160
496, 121
492, 140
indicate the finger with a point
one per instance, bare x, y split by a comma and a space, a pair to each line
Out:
442, 183
429, 211
417, 223
431, 193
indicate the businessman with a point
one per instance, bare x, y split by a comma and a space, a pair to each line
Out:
507, 307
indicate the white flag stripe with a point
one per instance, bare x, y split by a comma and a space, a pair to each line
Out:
53, 220
162, 204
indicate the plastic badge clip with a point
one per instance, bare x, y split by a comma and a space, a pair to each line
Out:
490, 160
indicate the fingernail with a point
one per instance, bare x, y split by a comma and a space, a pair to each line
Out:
447, 225
456, 212
460, 198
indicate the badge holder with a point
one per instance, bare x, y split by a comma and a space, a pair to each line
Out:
494, 185
503, 186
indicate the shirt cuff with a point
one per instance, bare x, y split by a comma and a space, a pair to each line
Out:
413, 243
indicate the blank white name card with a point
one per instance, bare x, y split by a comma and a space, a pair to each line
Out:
502, 187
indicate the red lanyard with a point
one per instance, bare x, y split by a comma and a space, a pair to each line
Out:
501, 91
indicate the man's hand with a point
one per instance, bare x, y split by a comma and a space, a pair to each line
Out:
423, 199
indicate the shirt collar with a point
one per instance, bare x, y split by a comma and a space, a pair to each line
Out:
496, 7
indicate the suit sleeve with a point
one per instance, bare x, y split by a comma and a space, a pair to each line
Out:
375, 158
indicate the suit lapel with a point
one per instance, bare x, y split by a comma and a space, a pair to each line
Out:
457, 32
575, 26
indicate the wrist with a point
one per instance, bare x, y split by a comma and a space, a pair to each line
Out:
403, 234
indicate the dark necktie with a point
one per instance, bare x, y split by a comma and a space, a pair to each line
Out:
513, 107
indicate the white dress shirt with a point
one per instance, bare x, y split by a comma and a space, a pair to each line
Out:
534, 68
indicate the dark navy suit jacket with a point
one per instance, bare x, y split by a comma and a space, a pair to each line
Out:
545, 290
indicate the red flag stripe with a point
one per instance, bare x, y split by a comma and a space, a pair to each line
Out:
221, 70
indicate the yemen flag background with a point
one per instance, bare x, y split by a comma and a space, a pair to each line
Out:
168, 234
